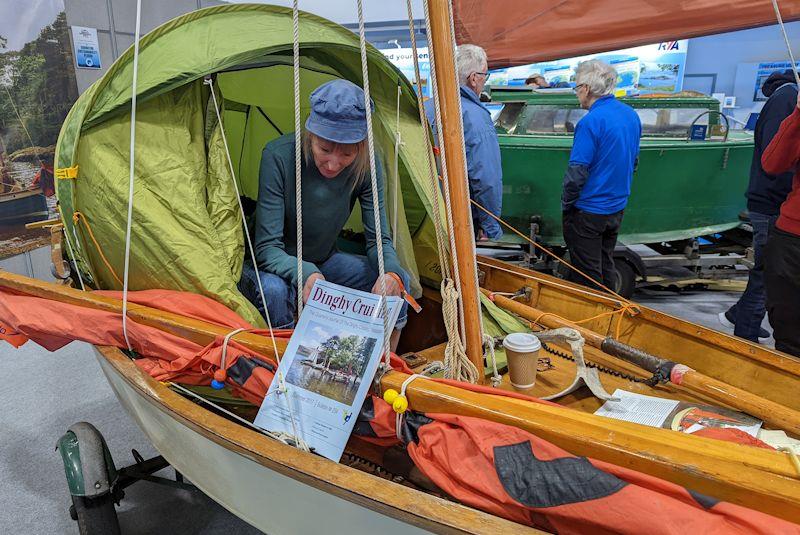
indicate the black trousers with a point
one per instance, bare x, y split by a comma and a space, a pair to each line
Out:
591, 239
782, 278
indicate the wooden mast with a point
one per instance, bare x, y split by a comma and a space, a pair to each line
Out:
449, 95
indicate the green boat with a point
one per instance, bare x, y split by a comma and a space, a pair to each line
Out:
690, 182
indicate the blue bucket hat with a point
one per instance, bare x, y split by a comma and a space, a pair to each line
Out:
337, 112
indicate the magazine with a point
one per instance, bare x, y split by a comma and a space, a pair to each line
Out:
328, 367
676, 415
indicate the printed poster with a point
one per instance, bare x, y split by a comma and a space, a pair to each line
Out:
328, 367
86, 47
403, 59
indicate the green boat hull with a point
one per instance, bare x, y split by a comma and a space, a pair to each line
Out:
681, 189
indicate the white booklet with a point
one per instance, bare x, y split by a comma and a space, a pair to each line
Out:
328, 367
677, 415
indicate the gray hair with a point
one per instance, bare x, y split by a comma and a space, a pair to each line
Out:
469, 59
599, 77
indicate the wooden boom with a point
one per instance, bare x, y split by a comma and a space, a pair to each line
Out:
760, 479
773, 413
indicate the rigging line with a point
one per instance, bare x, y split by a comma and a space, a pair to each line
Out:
549, 252
265, 116
398, 140
22, 123
126, 271
463, 155
374, 183
298, 179
71, 253
445, 177
441, 242
456, 363
249, 240
786, 40
244, 138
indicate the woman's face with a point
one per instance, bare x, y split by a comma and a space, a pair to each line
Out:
331, 158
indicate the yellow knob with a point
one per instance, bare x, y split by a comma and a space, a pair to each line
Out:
390, 395
400, 404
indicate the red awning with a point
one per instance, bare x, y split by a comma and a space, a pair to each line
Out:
528, 31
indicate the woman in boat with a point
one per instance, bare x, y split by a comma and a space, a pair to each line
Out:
335, 173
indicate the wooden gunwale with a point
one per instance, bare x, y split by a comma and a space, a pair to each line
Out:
397, 501
759, 479
757, 369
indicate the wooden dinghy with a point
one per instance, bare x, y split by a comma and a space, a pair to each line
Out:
244, 470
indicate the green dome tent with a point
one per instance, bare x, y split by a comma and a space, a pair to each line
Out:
187, 230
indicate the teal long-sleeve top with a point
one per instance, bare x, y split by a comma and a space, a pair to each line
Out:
327, 204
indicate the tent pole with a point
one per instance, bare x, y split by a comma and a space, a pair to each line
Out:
452, 144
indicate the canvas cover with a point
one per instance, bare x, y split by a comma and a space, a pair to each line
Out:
186, 230
542, 30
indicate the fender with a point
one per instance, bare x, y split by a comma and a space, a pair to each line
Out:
620, 251
87, 461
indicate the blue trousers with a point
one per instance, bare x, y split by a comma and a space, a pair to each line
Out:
750, 309
353, 271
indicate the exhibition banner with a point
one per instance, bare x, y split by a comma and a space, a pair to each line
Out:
642, 70
87, 49
403, 59
764, 71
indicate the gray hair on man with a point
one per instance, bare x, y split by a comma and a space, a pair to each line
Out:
469, 59
599, 77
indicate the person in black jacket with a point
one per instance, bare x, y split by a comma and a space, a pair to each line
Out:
764, 197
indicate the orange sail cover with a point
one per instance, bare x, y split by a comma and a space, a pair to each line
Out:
528, 31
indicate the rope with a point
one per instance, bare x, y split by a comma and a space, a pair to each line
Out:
249, 241
628, 308
488, 343
298, 179
72, 257
793, 456
22, 123
398, 141
400, 416
463, 153
374, 182
79, 217
445, 177
281, 437
224, 358
786, 40
456, 363
546, 250
130, 176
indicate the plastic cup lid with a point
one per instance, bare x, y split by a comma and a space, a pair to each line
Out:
522, 343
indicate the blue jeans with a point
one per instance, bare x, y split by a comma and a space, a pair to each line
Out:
750, 309
353, 271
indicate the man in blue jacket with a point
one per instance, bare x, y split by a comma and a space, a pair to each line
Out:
765, 194
597, 182
480, 138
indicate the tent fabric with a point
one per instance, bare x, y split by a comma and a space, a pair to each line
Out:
513, 474
543, 30
186, 231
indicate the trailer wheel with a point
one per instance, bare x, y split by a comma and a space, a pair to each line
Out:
95, 516
626, 278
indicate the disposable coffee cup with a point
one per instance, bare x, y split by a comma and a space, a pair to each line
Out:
522, 353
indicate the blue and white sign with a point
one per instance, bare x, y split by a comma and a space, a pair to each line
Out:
641, 70
86, 47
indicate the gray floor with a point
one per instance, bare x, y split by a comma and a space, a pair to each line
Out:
45, 392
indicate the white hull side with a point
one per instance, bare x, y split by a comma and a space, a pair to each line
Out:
270, 501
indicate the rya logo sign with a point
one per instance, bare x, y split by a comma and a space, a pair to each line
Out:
669, 45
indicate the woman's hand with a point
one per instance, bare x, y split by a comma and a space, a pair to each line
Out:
310, 284
392, 285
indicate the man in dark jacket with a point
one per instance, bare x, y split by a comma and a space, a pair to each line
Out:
764, 197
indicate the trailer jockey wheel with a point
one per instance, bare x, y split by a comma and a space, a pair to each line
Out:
626, 278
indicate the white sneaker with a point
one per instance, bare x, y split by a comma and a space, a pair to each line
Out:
725, 321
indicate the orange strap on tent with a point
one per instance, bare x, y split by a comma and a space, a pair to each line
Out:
404, 294
67, 172
78, 216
